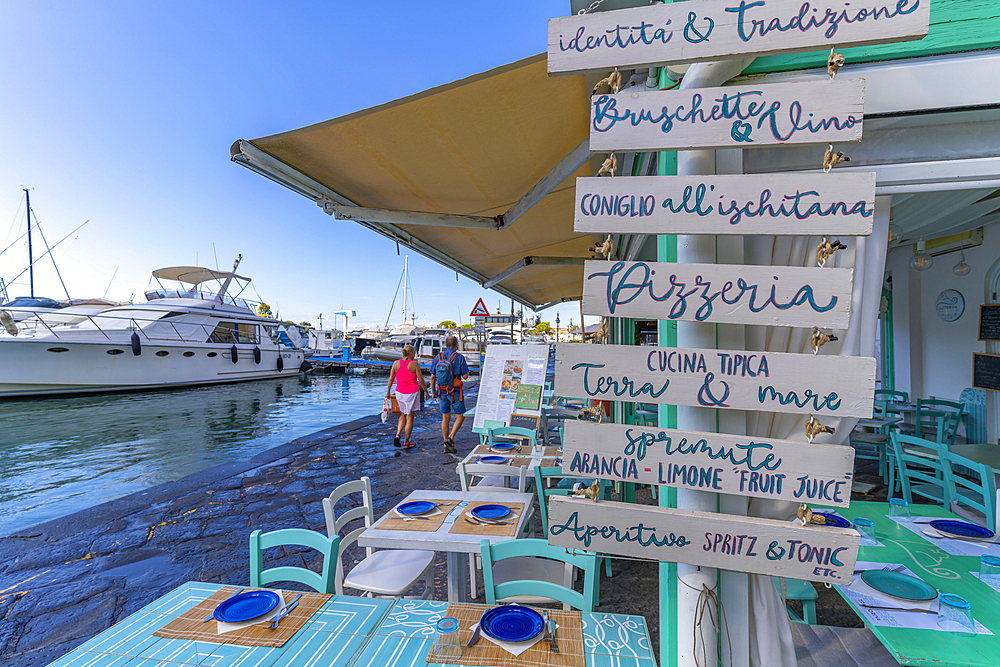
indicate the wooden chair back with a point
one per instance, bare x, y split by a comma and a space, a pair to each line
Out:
921, 469
335, 524
539, 549
328, 546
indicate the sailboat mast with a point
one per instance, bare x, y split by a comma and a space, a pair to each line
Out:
31, 263
406, 279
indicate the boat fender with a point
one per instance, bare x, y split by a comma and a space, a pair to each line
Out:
305, 367
234, 354
8, 322
281, 364
256, 355
136, 345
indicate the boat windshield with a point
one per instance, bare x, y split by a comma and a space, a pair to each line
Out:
153, 295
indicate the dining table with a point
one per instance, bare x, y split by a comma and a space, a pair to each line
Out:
345, 631
950, 566
456, 534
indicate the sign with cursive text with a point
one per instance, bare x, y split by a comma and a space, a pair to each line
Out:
788, 296
664, 34
716, 462
768, 381
774, 114
738, 543
773, 204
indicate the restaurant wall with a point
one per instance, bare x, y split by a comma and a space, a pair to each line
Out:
934, 357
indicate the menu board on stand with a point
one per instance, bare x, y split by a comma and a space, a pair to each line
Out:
510, 386
740, 116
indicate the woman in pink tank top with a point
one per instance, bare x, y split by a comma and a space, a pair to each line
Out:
410, 386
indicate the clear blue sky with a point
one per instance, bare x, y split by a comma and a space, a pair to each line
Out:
123, 113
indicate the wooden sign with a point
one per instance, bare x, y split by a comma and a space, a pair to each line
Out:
742, 544
787, 296
775, 114
715, 29
716, 462
768, 381
772, 204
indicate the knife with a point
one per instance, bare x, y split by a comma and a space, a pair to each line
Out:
212, 615
545, 625
289, 608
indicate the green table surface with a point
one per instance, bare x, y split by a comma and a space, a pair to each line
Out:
947, 573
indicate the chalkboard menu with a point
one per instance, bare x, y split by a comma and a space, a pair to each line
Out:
986, 371
989, 321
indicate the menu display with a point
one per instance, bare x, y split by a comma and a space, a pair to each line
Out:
986, 371
989, 321
510, 388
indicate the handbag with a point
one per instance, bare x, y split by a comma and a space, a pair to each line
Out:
386, 406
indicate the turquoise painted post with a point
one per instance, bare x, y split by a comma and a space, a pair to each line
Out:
666, 251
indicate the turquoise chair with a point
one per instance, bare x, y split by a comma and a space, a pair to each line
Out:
921, 470
929, 422
539, 590
892, 396
512, 433
979, 494
328, 546
796, 589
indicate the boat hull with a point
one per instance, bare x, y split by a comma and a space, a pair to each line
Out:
37, 368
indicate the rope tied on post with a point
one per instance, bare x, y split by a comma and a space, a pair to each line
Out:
834, 62
819, 339
814, 428
609, 166
707, 597
825, 249
605, 249
831, 159
613, 81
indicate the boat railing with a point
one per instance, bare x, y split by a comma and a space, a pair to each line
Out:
153, 295
61, 329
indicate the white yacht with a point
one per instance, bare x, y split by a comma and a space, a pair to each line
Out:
178, 338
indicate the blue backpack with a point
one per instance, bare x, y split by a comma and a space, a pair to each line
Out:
443, 373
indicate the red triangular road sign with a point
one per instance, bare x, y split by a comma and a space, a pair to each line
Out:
479, 310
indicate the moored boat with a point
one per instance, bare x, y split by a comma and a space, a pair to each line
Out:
178, 338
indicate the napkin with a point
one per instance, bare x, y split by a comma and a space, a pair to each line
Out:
514, 648
223, 628
405, 517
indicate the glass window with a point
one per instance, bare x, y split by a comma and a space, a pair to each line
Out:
232, 332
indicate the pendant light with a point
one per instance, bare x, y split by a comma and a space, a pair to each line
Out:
921, 260
895, 233
961, 269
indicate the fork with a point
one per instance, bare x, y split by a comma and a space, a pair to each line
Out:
488, 523
916, 609
212, 615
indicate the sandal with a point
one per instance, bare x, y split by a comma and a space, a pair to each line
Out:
396, 443
449, 447
410, 445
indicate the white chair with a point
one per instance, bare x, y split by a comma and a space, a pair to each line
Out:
387, 573
494, 477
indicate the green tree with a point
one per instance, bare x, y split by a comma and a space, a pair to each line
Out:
465, 326
543, 327
308, 325
448, 324
264, 310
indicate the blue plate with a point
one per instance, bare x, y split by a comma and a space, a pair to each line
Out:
493, 459
246, 606
833, 520
415, 507
511, 623
899, 585
954, 528
491, 512
503, 446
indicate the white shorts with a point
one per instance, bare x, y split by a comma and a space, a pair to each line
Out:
408, 403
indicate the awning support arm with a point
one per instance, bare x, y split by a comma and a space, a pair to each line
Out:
391, 217
528, 261
569, 164
554, 303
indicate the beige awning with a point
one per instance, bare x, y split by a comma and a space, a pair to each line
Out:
470, 148
194, 275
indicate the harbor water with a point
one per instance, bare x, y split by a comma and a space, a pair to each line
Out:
62, 455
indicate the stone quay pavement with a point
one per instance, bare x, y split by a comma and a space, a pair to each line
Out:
66, 580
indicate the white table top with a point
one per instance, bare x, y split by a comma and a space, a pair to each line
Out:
441, 539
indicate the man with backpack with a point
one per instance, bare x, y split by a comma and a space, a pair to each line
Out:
447, 372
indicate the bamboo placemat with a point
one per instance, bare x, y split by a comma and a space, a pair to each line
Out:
519, 461
463, 527
569, 636
392, 522
189, 625
551, 451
